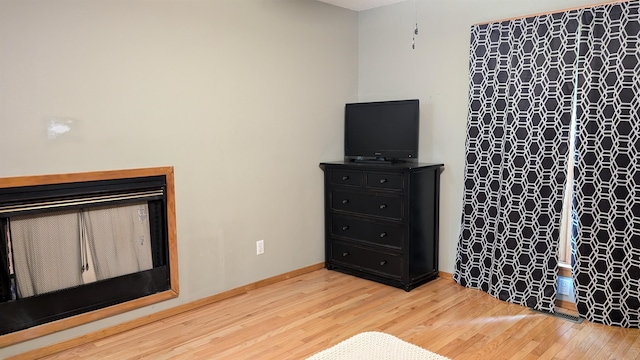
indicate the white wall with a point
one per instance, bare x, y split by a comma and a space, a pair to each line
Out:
243, 98
436, 72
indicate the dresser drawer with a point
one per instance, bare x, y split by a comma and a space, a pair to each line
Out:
346, 177
369, 204
361, 258
375, 232
390, 181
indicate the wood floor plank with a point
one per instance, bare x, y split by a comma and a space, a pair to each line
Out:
548, 344
623, 343
298, 317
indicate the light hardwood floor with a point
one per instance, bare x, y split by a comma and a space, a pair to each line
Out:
298, 317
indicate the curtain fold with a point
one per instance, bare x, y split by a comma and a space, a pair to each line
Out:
607, 182
485, 129
521, 87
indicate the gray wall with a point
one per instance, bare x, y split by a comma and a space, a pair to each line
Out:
244, 98
436, 72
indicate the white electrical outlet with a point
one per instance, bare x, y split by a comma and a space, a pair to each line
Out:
564, 286
259, 247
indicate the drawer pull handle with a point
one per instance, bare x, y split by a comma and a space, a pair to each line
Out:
345, 201
383, 206
383, 234
382, 181
345, 178
346, 253
345, 228
383, 262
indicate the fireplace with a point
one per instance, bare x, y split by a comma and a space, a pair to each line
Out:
79, 247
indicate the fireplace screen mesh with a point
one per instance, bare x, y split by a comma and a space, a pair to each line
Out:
64, 249
46, 252
119, 240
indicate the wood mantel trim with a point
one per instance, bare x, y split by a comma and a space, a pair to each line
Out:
16, 181
100, 334
172, 231
66, 323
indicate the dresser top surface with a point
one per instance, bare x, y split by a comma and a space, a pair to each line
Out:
381, 166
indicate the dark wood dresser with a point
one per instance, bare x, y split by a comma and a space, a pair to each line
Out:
381, 221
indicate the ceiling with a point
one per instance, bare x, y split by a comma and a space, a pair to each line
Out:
359, 5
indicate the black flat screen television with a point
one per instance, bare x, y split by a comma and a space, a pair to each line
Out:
383, 131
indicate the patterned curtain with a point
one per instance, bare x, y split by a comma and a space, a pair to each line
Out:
521, 86
607, 181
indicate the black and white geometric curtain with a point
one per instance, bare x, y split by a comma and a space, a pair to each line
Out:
521, 88
607, 181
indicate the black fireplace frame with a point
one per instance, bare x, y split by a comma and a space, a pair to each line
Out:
27, 318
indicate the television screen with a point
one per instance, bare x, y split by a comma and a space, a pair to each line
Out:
382, 131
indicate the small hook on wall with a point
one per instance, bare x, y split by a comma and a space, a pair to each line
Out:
415, 30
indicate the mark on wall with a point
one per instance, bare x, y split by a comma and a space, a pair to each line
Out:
57, 127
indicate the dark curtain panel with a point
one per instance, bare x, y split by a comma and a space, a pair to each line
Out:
521, 87
607, 180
